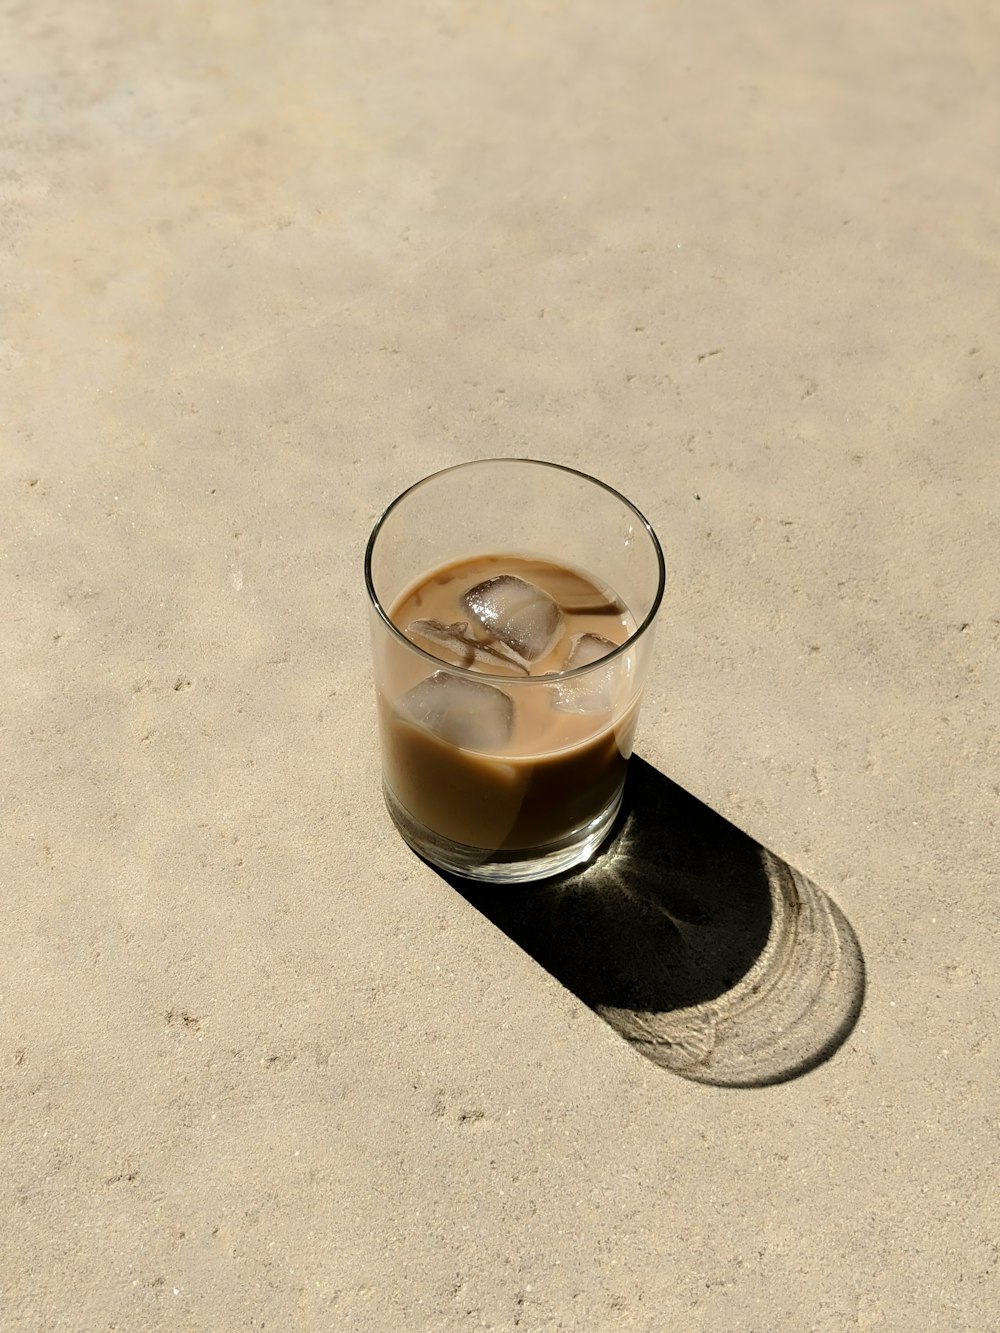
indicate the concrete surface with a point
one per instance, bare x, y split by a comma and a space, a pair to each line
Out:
262, 267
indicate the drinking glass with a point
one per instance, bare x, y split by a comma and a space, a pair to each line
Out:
508, 808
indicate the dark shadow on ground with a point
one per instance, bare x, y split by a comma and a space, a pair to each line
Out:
705, 951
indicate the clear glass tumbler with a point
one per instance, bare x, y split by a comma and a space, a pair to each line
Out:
512, 606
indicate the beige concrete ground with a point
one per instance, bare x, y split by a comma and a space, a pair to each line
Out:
263, 265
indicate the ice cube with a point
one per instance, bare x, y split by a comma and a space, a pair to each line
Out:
591, 693
463, 712
587, 648
462, 647
517, 613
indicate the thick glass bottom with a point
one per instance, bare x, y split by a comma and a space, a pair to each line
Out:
498, 866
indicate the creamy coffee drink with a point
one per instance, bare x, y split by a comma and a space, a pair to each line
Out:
510, 753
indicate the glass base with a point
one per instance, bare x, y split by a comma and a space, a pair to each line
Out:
498, 866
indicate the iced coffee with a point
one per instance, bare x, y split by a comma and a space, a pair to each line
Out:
512, 606
513, 753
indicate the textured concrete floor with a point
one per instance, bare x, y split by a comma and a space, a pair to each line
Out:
263, 266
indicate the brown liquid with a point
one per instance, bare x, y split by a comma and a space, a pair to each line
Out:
559, 769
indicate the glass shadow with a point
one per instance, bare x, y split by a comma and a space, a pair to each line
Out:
709, 954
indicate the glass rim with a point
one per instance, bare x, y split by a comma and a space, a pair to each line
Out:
574, 672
